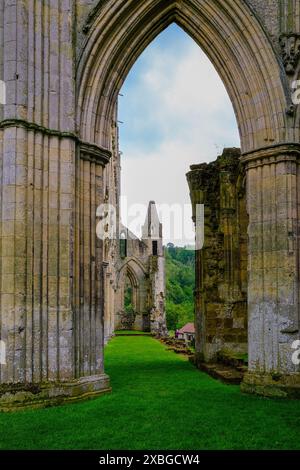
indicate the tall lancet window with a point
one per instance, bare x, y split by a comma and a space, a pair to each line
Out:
123, 245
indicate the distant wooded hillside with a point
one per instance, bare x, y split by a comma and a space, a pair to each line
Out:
180, 283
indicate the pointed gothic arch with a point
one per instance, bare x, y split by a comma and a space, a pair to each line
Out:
134, 270
135, 265
228, 32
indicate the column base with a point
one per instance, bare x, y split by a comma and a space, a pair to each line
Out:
272, 385
108, 338
15, 397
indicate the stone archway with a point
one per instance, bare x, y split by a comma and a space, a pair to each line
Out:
58, 142
228, 32
136, 274
249, 64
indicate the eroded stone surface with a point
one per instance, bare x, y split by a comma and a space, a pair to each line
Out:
221, 265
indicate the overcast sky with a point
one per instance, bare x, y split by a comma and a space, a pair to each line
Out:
175, 112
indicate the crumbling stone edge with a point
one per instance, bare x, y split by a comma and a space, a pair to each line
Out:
267, 385
272, 385
14, 397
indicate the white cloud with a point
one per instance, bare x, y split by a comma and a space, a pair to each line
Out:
189, 86
160, 176
178, 110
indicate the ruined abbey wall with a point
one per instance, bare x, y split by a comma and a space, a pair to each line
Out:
221, 265
143, 262
63, 63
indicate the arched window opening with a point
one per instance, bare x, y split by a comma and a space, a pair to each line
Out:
128, 296
123, 245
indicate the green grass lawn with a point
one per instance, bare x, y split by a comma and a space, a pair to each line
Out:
131, 333
159, 401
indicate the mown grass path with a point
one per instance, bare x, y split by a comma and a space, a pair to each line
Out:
159, 401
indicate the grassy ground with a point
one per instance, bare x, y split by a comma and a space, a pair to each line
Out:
131, 333
159, 401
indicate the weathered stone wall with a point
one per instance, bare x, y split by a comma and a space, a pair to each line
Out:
112, 191
135, 266
278, 17
146, 271
221, 266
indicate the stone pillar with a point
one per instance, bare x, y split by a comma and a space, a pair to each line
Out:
112, 307
273, 179
203, 182
157, 278
51, 312
106, 301
52, 330
221, 264
90, 328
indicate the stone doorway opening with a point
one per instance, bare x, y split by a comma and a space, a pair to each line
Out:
223, 326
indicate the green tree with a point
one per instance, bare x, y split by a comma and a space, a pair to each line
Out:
180, 283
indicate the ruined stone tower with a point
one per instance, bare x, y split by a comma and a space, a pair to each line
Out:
142, 263
153, 239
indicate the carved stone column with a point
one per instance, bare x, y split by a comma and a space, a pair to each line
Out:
48, 356
51, 313
106, 301
273, 179
90, 280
